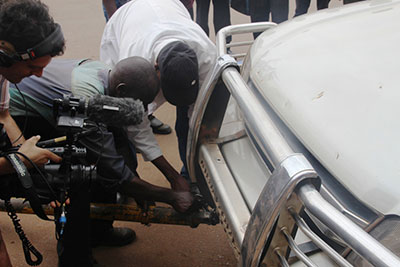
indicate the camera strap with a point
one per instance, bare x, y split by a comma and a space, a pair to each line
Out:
27, 246
27, 185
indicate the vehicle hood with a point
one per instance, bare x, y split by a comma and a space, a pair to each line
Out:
334, 78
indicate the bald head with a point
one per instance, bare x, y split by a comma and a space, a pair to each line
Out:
134, 77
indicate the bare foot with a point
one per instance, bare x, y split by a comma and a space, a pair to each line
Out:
181, 201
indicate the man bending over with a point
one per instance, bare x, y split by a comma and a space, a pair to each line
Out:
133, 77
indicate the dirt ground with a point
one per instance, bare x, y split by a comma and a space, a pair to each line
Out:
157, 245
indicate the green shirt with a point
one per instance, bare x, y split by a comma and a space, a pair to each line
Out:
60, 77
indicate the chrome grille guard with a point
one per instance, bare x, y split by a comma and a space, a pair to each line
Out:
293, 185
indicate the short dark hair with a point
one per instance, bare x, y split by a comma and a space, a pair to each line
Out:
140, 79
25, 23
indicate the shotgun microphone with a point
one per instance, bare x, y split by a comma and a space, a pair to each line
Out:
115, 111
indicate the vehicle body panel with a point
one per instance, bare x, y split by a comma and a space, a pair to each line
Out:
285, 144
335, 84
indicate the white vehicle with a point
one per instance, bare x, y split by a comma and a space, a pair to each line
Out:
298, 147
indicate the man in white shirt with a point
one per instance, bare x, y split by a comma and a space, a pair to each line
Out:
163, 33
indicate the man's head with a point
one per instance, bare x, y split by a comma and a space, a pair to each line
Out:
179, 73
28, 38
134, 77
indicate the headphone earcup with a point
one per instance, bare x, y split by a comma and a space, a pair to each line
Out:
5, 59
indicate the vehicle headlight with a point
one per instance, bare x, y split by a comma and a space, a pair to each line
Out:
387, 233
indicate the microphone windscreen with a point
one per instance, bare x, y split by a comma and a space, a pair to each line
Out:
115, 111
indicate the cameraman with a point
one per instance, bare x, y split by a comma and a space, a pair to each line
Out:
28, 39
132, 77
17, 62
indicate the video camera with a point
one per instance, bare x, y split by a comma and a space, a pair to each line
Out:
76, 118
53, 181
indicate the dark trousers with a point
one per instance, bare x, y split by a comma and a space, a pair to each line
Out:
303, 5
73, 248
119, 4
260, 10
100, 194
191, 12
221, 16
182, 130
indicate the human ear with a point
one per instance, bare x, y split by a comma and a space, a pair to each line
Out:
120, 89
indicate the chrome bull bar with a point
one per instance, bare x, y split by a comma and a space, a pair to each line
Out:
268, 237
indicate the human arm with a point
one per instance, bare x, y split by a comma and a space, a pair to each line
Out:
114, 174
37, 155
138, 188
178, 182
143, 138
112, 169
11, 127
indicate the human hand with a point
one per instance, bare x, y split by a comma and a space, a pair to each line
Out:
57, 204
180, 184
38, 155
182, 201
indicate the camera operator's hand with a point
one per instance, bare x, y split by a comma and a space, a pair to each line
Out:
56, 204
38, 155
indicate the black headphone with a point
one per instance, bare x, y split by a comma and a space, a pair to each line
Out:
8, 55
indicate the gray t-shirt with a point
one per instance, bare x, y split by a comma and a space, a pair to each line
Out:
60, 77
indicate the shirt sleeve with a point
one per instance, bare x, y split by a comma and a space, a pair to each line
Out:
112, 169
4, 94
109, 47
144, 140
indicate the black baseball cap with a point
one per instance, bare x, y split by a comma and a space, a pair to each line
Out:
179, 73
